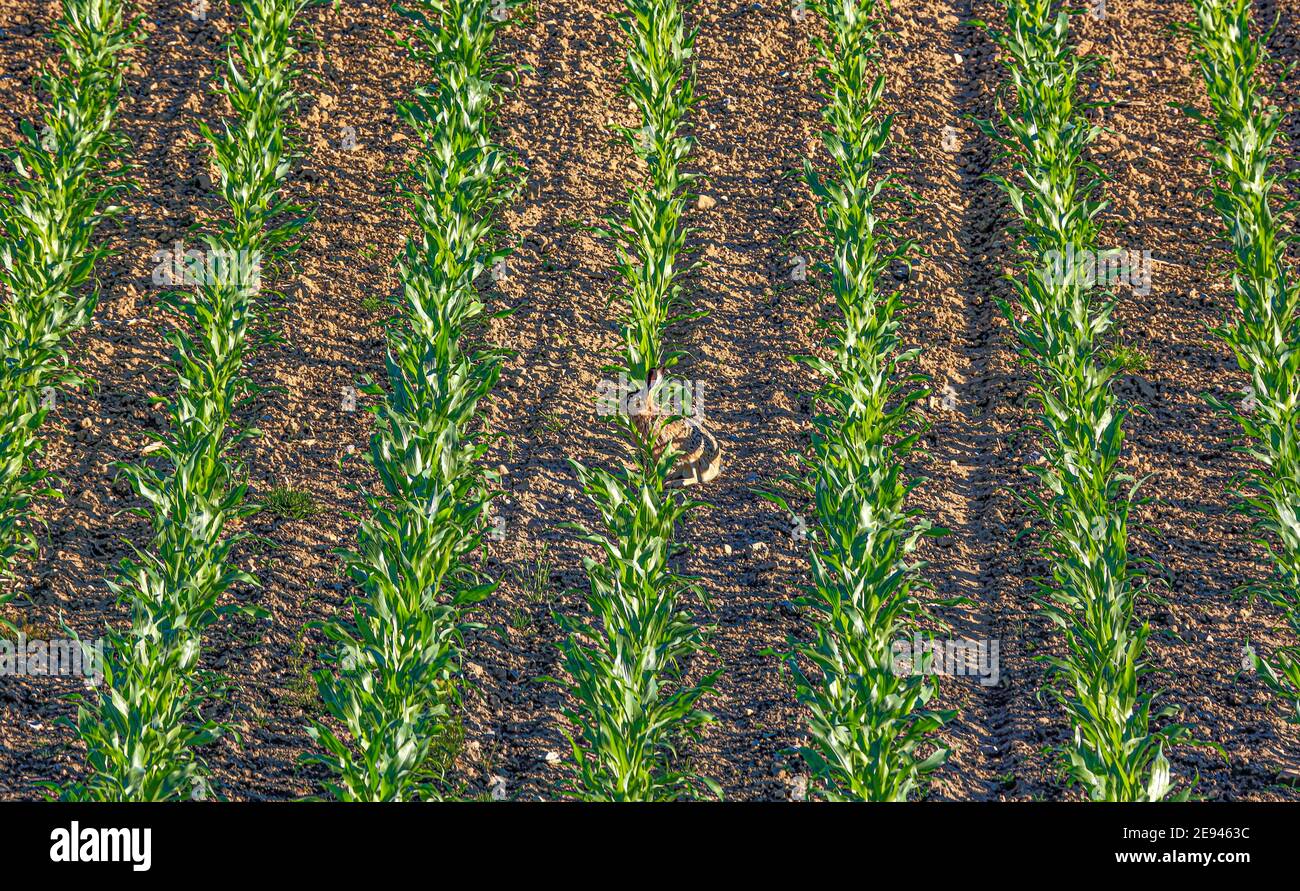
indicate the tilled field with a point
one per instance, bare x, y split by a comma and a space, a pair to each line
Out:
757, 119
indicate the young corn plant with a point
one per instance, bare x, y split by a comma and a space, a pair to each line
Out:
625, 661
395, 680
868, 721
1265, 335
1084, 499
649, 239
142, 734
52, 201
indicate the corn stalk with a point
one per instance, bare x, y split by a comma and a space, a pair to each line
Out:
868, 720
1084, 498
624, 662
51, 204
395, 679
142, 733
1265, 335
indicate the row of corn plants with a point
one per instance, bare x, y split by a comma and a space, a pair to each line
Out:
59, 190
143, 731
632, 705
1265, 335
395, 679
1085, 499
869, 720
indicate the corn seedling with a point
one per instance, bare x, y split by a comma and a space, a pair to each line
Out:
1265, 335
142, 733
394, 682
51, 204
1084, 500
625, 660
868, 721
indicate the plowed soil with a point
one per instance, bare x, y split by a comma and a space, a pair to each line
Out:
757, 121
